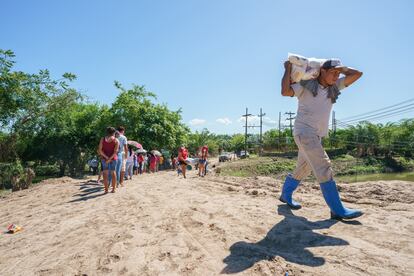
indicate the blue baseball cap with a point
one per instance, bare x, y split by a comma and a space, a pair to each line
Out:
333, 63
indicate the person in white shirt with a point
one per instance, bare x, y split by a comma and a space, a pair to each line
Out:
121, 162
129, 163
315, 100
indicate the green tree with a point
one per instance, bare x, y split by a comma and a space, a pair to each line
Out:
237, 142
26, 97
271, 138
199, 139
151, 124
68, 137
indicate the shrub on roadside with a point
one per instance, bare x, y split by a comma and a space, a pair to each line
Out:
399, 164
344, 157
10, 175
47, 170
275, 167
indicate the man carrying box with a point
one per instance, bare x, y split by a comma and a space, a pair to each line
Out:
315, 100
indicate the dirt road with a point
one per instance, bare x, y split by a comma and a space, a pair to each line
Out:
165, 225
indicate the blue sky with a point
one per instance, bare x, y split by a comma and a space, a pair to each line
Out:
214, 58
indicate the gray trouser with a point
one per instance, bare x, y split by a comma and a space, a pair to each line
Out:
312, 158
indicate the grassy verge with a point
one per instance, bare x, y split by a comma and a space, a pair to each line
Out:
343, 165
4, 192
255, 166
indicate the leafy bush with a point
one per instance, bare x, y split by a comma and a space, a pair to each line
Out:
399, 164
360, 169
371, 161
7, 171
344, 157
47, 170
275, 167
334, 153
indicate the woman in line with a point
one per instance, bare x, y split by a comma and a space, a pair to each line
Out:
108, 150
135, 167
141, 161
129, 163
153, 163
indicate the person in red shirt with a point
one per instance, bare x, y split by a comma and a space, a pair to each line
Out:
108, 150
153, 162
182, 159
202, 161
140, 162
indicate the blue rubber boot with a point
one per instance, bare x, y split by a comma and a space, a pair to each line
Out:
338, 211
289, 186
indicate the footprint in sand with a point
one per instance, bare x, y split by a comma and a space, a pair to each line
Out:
114, 258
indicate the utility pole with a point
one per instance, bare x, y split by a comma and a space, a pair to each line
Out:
280, 117
261, 128
290, 121
332, 135
245, 131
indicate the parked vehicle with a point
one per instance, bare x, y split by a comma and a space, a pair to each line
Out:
243, 154
225, 156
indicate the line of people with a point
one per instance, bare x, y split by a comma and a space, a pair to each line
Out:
112, 151
120, 162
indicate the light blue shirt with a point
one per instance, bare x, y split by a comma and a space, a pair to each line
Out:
122, 142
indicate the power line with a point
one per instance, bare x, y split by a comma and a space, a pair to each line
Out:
377, 117
377, 110
382, 114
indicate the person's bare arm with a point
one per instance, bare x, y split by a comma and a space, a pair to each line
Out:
100, 150
286, 89
351, 75
125, 151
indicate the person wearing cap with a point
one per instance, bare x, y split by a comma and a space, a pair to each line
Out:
315, 100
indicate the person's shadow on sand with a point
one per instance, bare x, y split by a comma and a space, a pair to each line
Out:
88, 190
288, 239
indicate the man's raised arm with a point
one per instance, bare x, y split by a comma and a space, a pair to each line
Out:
286, 89
351, 75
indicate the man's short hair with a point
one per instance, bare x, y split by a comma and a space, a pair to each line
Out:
121, 128
110, 131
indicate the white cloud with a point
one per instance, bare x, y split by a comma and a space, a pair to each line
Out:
251, 120
269, 122
197, 122
225, 121
255, 120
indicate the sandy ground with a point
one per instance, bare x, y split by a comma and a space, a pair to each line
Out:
166, 225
